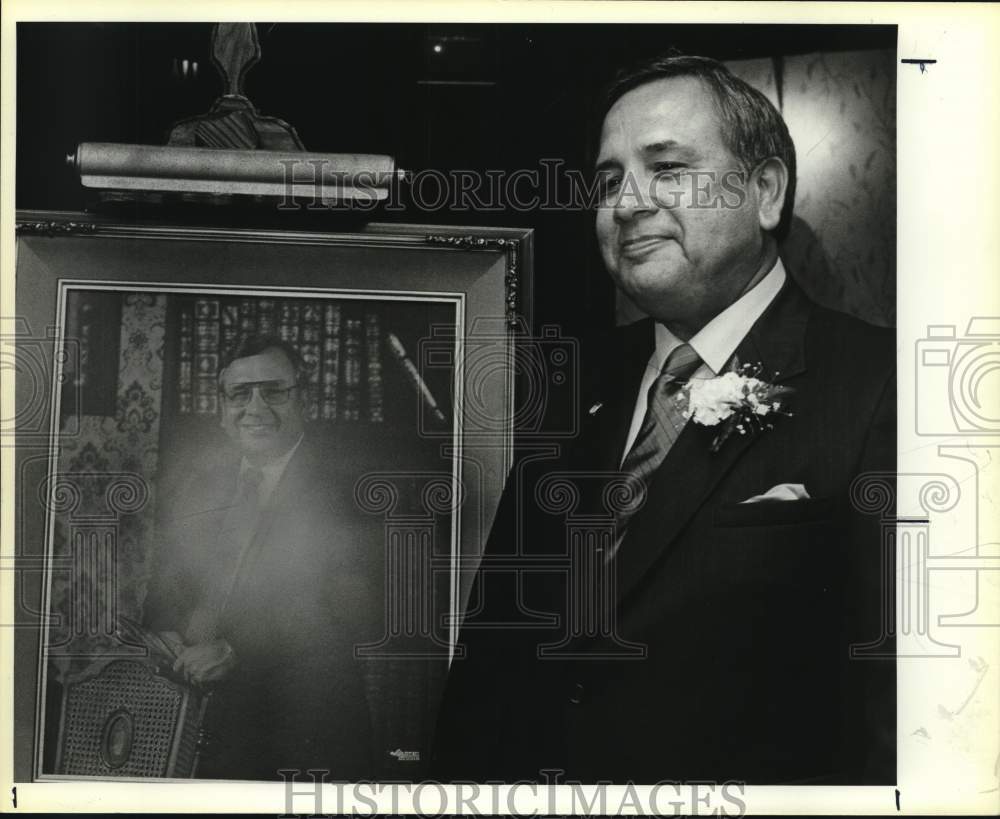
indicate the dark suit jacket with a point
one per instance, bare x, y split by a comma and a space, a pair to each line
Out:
306, 596
745, 612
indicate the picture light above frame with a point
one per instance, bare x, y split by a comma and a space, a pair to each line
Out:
232, 150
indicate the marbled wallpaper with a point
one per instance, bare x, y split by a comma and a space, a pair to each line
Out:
841, 112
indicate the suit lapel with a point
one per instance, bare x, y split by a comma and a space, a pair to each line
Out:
690, 472
627, 360
213, 490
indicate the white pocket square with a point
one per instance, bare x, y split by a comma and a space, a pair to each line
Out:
781, 492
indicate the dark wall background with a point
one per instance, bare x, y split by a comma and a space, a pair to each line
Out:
493, 97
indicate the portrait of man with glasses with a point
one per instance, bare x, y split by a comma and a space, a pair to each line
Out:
259, 585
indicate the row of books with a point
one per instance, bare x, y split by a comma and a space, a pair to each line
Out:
341, 344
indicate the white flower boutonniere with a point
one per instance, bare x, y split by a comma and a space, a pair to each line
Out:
737, 401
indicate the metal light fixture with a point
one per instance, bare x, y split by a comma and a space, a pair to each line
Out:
233, 149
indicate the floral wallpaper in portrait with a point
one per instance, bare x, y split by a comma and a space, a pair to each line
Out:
104, 484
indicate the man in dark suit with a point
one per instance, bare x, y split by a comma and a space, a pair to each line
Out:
261, 584
714, 589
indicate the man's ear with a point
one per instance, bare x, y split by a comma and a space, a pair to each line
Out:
771, 187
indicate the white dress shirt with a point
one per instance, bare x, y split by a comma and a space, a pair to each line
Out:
715, 343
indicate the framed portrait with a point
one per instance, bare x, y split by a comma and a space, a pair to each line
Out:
334, 591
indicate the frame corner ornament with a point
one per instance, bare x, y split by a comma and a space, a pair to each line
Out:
509, 246
53, 228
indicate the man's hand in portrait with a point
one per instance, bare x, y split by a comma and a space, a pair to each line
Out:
206, 662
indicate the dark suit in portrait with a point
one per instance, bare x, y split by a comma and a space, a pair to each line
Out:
716, 642
287, 586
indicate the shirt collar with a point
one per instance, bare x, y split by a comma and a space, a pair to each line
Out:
716, 342
272, 470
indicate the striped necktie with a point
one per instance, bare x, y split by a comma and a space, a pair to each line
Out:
661, 425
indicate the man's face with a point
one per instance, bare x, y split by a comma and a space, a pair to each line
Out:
681, 254
263, 430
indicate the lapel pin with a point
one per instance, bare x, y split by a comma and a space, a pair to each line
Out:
595, 409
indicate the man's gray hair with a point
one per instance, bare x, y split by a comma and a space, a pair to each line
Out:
250, 344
